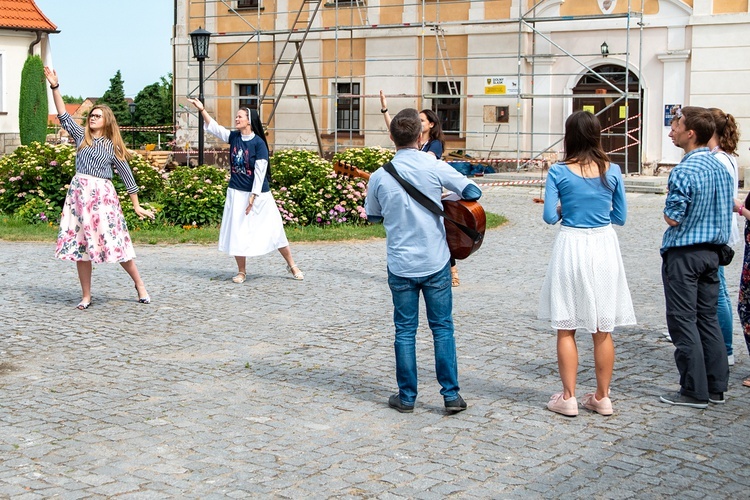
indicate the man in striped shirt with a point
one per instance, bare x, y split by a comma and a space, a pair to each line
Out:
698, 211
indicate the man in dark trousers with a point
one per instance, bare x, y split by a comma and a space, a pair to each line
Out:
698, 211
417, 256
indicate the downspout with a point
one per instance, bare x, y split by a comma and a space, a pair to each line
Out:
38, 39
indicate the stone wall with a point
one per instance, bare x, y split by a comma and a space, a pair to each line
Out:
9, 143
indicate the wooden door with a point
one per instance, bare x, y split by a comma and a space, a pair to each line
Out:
620, 123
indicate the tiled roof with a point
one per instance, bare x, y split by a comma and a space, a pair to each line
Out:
23, 15
71, 108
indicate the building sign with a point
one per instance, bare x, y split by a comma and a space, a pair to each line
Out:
590, 108
607, 6
500, 85
670, 110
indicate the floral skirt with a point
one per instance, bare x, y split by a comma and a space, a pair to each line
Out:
92, 227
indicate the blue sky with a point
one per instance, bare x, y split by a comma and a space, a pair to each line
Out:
98, 37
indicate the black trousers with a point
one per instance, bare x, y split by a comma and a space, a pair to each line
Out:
691, 289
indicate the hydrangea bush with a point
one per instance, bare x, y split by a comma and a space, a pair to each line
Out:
195, 196
150, 181
35, 171
367, 159
311, 193
34, 181
39, 210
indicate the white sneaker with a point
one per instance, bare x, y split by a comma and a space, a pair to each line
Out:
730, 359
667, 336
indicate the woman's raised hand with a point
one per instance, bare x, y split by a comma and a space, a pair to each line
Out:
197, 103
383, 102
51, 76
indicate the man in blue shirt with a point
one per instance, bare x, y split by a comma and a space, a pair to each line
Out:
698, 211
417, 257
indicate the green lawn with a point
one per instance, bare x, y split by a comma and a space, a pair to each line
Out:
13, 230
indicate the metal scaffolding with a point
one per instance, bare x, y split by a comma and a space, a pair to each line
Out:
527, 145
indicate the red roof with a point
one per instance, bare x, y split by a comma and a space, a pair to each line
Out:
24, 15
71, 108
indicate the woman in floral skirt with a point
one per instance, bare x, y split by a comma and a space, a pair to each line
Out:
92, 226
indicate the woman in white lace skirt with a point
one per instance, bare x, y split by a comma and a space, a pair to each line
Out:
585, 287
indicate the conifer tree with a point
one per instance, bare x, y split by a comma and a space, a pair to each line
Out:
114, 97
33, 108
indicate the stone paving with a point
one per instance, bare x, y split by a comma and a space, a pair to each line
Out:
278, 389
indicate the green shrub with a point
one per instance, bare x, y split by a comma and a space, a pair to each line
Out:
150, 181
367, 159
39, 211
32, 102
195, 196
37, 170
311, 193
135, 222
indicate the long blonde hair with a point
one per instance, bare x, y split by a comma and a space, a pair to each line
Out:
110, 130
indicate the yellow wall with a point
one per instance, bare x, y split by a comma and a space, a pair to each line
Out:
197, 15
591, 7
342, 16
498, 9
391, 11
229, 22
348, 51
457, 50
729, 6
443, 12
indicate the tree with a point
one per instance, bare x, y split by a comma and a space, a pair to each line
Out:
69, 99
114, 97
153, 107
32, 107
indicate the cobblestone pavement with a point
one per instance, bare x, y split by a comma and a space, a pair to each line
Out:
276, 388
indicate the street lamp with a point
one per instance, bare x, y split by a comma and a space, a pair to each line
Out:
131, 108
200, 38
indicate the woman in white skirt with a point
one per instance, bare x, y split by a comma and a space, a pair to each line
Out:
92, 226
585, 286
251, 224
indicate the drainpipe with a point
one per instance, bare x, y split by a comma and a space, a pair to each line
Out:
38, 39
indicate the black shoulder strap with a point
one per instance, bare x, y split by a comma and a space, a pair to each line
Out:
423, 200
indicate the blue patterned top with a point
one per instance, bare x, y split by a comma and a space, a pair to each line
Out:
700, 200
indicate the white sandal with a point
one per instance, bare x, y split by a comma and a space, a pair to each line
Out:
240, 278
298, 275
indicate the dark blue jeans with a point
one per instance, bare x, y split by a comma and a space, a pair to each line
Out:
438, 299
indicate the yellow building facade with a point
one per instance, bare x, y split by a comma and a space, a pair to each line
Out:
502, 74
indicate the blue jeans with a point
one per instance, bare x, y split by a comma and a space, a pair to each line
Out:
438, 299
724, 311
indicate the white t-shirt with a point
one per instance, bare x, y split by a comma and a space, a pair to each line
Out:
730, 163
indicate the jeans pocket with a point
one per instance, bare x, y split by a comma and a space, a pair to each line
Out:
398, 284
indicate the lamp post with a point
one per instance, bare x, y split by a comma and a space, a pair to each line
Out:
199, 39
131, 108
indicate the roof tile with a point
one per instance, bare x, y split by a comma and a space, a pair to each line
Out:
23, 15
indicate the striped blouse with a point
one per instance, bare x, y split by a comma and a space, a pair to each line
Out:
99, 159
